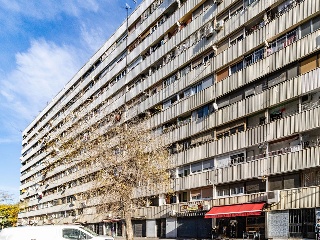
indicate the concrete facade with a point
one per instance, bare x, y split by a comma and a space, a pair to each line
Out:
234, 85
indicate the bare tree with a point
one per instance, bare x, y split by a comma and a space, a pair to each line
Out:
127, 163
5, 196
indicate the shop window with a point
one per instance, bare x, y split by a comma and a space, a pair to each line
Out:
301, 223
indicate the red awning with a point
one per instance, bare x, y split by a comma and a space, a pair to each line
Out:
245, 209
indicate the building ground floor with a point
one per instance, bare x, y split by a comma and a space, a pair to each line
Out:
282, 224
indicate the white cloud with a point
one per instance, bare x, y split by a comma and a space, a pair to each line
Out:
93, 37
40, 73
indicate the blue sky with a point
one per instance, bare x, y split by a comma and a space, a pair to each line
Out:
43, 43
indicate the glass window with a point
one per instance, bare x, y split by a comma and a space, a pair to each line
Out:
305, 29
184, 197
315, 23
166, 104
233, 69
74, 234
208, 164
207, 82
180, 172
223, 192
196, 167
186, 170
258, 55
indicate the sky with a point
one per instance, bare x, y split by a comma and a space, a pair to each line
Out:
43, 43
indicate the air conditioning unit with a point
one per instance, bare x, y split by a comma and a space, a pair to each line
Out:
206, 207
209, 32
217, 1
274, 196
219, 25
172, 213
83, 204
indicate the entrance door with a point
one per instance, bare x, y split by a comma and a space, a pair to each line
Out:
161, 228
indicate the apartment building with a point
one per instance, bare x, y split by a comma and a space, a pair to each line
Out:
234, 85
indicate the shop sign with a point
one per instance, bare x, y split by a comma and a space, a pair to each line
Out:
190, 207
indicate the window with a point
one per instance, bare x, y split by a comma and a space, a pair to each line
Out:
305, 29
262, 120
184, 197
237, 158
208, 164
301, 223
308, 65
236, 67
222, 74
237, 190
180, 172
316, 23
208, 57
223, 192
248, 2
203, 112
254, 57
238, 39
196, 167
74, 234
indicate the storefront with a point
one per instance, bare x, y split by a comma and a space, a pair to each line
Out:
292, 223
193, 227
191, 222
139, 228
111, 227
238, 221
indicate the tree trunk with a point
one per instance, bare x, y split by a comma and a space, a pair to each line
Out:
129, 229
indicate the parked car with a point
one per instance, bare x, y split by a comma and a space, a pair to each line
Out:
50, 232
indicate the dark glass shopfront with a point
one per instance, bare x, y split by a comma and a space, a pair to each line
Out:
240, 227
244, 220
